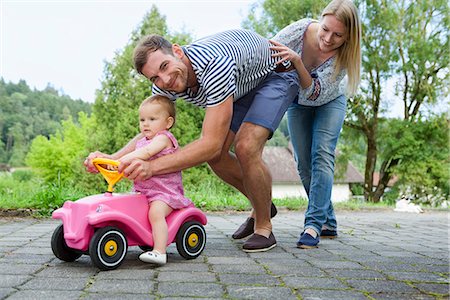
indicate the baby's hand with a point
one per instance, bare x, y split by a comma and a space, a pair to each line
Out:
112, 168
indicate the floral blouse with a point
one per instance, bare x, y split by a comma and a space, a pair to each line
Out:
324, 87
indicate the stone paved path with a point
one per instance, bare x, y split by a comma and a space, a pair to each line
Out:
378, 255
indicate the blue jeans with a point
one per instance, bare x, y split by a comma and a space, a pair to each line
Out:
314, 132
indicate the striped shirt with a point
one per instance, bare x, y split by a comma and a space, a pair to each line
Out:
233, 63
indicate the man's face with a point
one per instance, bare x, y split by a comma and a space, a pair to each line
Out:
167, 71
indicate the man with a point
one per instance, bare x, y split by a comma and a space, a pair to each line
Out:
231, 75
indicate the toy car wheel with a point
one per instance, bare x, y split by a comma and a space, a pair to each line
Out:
191, 239
108, 248
60, 248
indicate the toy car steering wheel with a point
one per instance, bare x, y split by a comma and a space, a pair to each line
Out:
111, 176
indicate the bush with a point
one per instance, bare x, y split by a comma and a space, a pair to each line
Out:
23, 175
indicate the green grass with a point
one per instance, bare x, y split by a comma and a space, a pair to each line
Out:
26, 191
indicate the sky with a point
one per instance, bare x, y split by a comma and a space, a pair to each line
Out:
65, 43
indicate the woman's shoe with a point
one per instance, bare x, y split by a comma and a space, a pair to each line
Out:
307, 241
328, 234
247, 228
153, 257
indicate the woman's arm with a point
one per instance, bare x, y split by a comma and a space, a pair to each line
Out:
287, 54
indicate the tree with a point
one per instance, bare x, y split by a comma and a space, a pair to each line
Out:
26, 113
406, 41
123, 89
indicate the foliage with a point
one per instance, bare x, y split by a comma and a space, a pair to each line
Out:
270, 16
123, 89
54, 158
424, 172
26, 113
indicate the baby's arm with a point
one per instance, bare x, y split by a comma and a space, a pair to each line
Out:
158, 144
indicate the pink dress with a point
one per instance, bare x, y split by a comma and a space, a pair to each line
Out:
168, 187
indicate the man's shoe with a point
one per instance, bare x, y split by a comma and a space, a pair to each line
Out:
247, 228
328, 234
259, 243
307, 241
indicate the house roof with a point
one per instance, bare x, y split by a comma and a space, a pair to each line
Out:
282, 166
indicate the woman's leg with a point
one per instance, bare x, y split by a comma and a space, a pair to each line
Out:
328, 121
300, 124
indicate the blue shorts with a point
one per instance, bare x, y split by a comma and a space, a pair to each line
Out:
266, 104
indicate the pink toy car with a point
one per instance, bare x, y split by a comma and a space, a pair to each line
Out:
103, 226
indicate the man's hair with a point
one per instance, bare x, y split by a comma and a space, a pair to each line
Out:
168, 104
149, 44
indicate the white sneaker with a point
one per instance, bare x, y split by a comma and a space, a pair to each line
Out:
153, 257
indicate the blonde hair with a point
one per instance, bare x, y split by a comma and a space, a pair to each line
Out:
168, 104
349, 54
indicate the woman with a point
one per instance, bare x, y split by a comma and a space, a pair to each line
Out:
323, 53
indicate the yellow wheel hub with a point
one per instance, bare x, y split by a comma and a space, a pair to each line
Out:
110, 248
193, 240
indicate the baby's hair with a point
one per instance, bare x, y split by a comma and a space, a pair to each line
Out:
168, 104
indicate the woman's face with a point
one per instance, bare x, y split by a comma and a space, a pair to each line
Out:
331, 34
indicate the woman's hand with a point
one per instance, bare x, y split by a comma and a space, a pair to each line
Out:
284, 53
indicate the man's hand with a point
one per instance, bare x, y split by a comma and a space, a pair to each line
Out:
88, 161
135, 169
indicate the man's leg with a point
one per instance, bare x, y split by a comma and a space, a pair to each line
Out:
227, 167
257, 181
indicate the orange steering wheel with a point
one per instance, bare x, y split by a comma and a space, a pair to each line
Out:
111, 176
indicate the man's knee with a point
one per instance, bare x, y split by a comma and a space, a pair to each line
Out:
247, 149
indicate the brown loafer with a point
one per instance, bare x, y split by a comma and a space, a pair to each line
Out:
259, 243
247, 228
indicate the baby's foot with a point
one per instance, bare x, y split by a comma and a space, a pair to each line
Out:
153, 257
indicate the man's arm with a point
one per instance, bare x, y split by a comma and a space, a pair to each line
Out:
216, 125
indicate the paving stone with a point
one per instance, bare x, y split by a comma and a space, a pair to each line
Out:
336, 264
239, 269
121, 286
19, 269
249, 279
398, 296
307, 294
434, 288
69, 284
260, 292
355, 274
44, 295
7, 281
363, 262
190, 289
380, 286
295, 270
59, 272
6, 291
118, 296
313, 282
176, 276
146, 274
416, 276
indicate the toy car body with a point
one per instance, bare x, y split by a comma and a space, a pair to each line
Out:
104, 225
